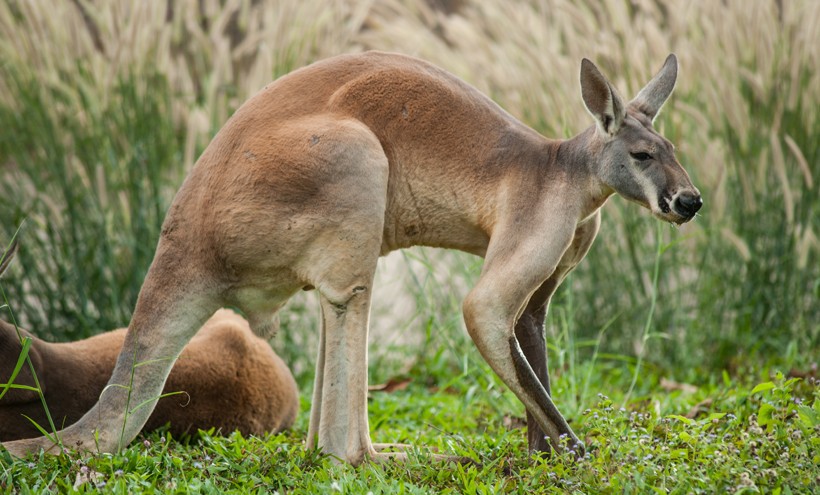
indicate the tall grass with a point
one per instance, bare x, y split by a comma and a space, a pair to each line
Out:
105, 105
94, 183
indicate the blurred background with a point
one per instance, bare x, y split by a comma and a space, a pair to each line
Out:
105, 106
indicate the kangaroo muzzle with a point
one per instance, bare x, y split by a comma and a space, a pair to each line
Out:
687, 205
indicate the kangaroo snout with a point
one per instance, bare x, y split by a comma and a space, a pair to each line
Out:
687, 204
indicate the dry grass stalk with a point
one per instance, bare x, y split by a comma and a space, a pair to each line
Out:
736, 57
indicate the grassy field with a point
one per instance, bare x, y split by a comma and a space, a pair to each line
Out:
104, 107
724, 437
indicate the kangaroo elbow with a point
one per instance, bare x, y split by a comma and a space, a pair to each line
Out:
480, 310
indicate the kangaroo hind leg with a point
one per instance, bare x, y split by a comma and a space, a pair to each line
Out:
340, 262
173, 304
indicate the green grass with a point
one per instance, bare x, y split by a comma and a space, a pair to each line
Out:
746, 437
92, 158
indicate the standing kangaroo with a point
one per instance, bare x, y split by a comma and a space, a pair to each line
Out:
345, 160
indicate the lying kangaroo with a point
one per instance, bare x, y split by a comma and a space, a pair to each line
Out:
345, 160
231, 379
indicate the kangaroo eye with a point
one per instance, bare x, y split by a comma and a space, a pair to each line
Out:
641, 156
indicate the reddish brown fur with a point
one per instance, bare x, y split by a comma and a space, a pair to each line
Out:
233, 381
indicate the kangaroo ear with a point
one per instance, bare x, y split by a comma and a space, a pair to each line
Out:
10, 348
652, 97
601, 99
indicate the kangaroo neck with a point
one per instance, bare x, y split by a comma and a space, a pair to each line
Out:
582, 155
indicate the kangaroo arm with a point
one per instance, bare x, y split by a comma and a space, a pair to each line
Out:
529, 331
511, 275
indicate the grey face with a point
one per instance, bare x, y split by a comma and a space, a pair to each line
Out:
640, 165
637, 162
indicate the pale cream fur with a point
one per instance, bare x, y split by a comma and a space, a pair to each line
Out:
340, 162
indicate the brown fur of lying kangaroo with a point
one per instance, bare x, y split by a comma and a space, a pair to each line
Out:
233, 381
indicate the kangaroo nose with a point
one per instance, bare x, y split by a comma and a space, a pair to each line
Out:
688, 204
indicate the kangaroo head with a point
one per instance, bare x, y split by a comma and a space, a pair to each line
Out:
631, 157
10, 348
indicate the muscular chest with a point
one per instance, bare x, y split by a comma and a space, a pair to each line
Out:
585, 234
